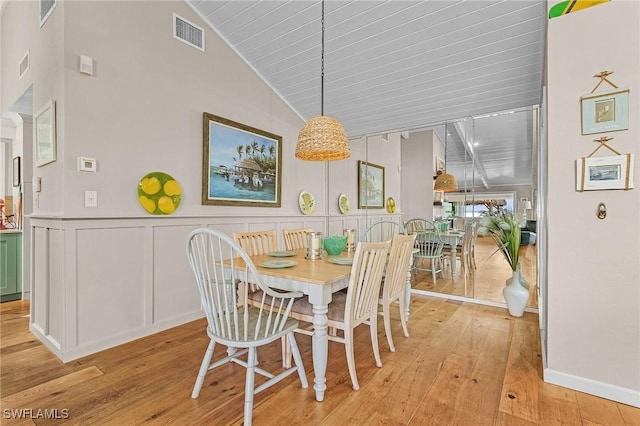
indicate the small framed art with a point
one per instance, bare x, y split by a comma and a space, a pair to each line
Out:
605, 111
45, 134
601, 173
370, 186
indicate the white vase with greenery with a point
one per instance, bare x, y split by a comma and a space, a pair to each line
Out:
504, 228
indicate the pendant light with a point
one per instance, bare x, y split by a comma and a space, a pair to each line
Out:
322, 138
445, 182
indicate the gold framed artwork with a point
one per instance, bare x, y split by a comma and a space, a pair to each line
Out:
44, 130
241, 164
601, 173
606, 111
370, 186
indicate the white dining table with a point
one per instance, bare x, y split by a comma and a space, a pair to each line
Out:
318, 279
452, 238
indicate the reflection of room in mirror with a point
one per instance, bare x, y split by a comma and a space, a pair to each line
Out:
488, 278
492, 157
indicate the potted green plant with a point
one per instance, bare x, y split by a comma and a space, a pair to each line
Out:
504, 228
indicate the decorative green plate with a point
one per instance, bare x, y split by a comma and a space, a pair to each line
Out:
283, 253
275, 264
159, 193
307, 202
348, 261
343, 204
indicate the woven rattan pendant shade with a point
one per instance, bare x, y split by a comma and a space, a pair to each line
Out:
445, 183
322, 138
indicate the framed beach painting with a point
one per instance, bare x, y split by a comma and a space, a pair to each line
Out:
242, 165
370, 186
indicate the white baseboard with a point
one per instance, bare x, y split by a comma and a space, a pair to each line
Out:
70, 354
467, 299
592, 387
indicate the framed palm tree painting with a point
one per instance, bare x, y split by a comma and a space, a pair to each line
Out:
241, 164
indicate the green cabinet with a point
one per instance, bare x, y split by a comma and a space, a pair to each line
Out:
10, 265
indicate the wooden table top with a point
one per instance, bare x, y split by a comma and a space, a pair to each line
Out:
319, 271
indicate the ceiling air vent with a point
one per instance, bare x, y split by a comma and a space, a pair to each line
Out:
24, 64
187, 32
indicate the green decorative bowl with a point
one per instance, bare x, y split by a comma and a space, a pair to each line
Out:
334, 245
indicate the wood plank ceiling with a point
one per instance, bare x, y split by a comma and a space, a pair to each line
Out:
393, 65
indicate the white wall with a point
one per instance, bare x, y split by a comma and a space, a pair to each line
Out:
419, 154
593, 265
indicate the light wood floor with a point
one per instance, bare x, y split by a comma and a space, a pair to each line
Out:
464, 364
487, 280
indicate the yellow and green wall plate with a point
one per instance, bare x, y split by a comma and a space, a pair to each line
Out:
569, 6
159, 193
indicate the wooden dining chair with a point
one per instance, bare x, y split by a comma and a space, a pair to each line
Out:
295, 239
394, 284
233, 323
383, 230
429, 245
357, 306
413, 226
257, 242
463, 249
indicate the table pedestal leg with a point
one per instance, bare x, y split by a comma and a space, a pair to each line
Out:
320, 349
454, 252
407, 294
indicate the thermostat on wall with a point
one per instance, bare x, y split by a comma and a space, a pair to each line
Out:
86, 164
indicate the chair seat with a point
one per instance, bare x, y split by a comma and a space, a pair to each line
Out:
290, 325
302, 309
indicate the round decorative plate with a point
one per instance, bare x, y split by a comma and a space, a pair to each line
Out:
391, 205
307, 202
343, 204
282, 253
159, 193
348, 261
275, 264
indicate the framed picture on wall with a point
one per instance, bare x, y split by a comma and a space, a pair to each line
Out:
370, 186
44, 130
599, 173
241, 164
605, 111
16, 171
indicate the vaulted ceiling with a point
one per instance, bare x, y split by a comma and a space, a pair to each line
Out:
397, 65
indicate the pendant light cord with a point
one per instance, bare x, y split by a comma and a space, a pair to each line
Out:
446, 133
322, 66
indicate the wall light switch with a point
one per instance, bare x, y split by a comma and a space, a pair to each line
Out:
86, 65
37, 183
91, 198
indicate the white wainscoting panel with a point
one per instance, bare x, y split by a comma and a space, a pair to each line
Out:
110, 282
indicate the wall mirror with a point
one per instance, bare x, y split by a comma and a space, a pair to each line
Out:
493, 159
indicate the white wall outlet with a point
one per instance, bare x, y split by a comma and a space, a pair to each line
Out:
91, 198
